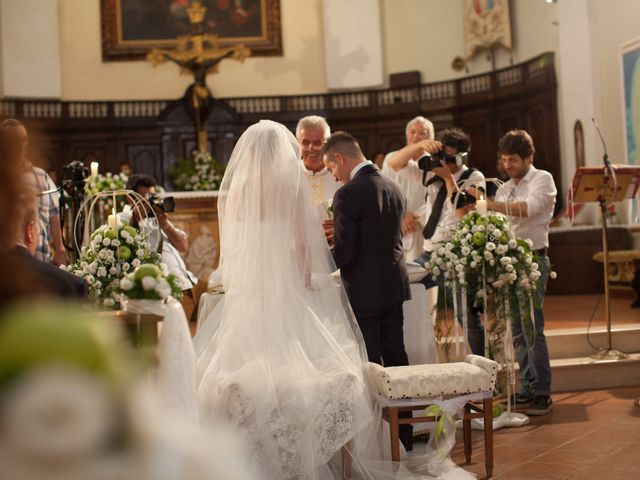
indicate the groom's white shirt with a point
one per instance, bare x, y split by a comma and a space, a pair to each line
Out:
359, 167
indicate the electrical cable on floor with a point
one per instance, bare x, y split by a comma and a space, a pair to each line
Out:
595, 309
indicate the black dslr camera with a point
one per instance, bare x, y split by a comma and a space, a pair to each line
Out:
74, 177
166, 204
430, 161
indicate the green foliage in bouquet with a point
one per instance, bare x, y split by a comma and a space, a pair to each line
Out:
200, 173
111, 254
150, 282
485, 259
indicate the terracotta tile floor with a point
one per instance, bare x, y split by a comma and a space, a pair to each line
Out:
588, 435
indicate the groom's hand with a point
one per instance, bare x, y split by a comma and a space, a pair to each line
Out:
327, 225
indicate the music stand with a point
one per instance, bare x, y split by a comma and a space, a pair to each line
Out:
596, 184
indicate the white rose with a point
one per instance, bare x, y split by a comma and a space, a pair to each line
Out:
106, 242
509, 268
125, 267
505, 260
140, 252
491, 246
459, 268
465, 251
124, 234
135, 263
129, 240
497, 284
473, 264
57, 413
90, 279
512, 243
163, 288
553, 275
98, 239
520, 249
102, 272
481, 228
126, 284
109, 302
113, 270
534, 266
148, 283
115, 242
86, 269
492, 263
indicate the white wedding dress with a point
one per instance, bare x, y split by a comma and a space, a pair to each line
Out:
281, 356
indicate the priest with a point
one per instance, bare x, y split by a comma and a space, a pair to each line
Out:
312, 132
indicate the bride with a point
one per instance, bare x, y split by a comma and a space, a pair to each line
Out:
282, 356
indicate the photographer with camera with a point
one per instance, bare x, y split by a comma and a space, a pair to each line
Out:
442, 170
418, 128
174, 240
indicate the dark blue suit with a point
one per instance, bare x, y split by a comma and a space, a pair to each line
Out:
368, 215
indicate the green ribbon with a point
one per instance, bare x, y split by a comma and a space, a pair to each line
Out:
441, 425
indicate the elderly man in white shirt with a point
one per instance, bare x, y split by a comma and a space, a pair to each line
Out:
312, 132
528, 198
440, 215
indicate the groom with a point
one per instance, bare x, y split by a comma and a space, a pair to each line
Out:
368, 212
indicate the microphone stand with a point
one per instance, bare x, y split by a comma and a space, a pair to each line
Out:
608, 353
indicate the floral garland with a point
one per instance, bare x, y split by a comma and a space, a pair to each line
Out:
111, 254
201, 173
485, 258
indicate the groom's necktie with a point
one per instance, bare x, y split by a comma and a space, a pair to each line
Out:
436, 211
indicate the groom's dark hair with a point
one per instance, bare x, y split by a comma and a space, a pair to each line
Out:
343, 143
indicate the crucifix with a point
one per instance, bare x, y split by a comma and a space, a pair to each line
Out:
198, 54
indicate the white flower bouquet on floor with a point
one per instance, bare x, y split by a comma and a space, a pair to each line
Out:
111, 254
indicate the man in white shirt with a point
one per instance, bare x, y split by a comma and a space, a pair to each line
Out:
528, 198
312, 132
418, 129
442, 184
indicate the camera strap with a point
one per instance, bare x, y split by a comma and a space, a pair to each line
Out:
436, 210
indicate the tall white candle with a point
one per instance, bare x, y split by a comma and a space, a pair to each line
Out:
481, 206
94, 169
112, 221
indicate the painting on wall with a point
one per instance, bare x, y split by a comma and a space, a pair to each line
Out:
131, 27
631, 99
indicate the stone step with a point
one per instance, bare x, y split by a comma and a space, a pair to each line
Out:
573, 342
585, 373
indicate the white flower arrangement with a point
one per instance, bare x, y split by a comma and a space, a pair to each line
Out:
111, 253
105, 183
485, 258
200, 173
150, 282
